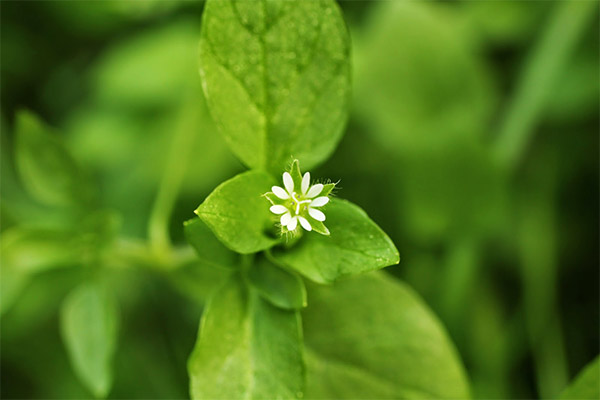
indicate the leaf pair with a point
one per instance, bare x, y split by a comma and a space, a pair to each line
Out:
366, 337
239, 216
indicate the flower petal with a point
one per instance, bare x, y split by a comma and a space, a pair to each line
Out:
280, 192
316, 214
278, 209
305, 224
305, 182
319, 201
292, 224
314, 190
288, 182
285, 218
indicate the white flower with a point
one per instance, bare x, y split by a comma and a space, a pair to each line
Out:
298, 202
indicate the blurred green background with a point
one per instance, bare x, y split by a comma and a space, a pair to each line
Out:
472, 141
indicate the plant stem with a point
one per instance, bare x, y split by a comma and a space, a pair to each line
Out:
176, 165
537, 80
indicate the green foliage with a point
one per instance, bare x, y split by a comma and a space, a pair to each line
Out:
586, 385
48, 170
208, 248
26, 251
372, 337
89, 323
282, 288
277, 78
246, 348
356, 245
238, 214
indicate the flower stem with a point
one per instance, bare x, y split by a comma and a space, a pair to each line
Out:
176, 165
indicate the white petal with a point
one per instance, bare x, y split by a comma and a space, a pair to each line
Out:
278, 209
292, 224
288, 182
319, 201
316, 214
285, 219
305, 224
305, 182
314, 190
279, 192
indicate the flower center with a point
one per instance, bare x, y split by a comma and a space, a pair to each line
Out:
298, 202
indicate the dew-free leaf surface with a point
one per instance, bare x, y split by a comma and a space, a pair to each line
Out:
277, 78
356, 244
238, 214
371, 337
246, 348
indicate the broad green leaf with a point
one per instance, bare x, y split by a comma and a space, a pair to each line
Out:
246, 348
238, 214
280, 287
47, 169
586, 384
25, 251
89, 323
277, 78
356, 245
371, 337
207, 246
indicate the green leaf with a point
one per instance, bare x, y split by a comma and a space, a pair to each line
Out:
280, 287
208, 247
238, 214
47, 169
356, 245
25, 251
246, 348
371, 337
277, 78
89, 323
586, 385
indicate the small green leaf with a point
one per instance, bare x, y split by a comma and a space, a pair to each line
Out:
586, 384
280, 287
356, 245
47, 169
209, 249
238, 214
89, 322
371, 337
277, 78
246, 349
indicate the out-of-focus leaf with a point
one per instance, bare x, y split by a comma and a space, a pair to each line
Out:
280, 287
25, 251
48, 170
418, 85
246, 348
151, 69
586, 385
356, 245
238, 214
207, 246
277, 78
372, 337
89, 324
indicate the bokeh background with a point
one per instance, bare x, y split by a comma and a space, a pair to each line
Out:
472, 141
